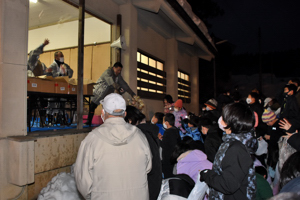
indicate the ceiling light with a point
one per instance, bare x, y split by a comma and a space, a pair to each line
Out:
33, 1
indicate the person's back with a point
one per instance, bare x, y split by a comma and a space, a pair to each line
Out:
118, 154
113, 160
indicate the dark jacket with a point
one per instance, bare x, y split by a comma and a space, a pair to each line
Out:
290, 111
233, 174
212, 142
170, 139
155, 175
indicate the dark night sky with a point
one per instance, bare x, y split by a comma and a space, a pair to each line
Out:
279, 21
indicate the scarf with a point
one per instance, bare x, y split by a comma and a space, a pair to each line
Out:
250, 142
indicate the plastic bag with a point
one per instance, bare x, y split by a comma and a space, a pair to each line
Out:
199, 190
262, 147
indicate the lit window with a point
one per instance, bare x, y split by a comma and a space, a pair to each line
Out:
152, 63
151, 79
138, 57
144, 59
184, 87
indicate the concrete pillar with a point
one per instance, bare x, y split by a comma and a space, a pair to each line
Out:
129, 55
13, 68
172, 68
13, 83
194, 78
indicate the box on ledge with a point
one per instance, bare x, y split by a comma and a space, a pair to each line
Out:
34, 84
61, 87
72, 89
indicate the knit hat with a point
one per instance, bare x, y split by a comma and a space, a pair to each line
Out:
268, 116
212, 103
178, 103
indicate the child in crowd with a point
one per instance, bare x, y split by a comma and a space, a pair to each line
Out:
168, 143
264, 190
157, 119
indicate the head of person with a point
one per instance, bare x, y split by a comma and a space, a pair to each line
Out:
204, 125
117, 68
178, 105
269, 117
193, 121
59, 56
290, 90
262, 171
158, 118
252, 98
169, 120
290, 169
168, 99
113, 105
211, 104
294, 81
180, 148
134, 116
237, 118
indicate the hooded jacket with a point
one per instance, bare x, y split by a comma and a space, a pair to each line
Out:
191, 162
113, 162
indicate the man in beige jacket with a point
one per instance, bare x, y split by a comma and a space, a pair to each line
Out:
114, 159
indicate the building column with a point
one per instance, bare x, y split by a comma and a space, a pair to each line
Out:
129, 55
194, 78
13, 84
172, 68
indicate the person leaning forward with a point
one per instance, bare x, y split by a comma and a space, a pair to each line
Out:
114, 159
110, 81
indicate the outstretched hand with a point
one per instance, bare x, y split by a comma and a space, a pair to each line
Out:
46, 41
284, 124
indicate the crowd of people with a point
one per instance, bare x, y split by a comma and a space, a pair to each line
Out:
242, 148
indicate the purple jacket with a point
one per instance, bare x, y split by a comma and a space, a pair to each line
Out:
194, 162
181, 113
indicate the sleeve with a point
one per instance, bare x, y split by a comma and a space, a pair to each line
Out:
107, 76
69, 71
235, 166
209, 149
54, 71
125, 86
83, 169
34, 56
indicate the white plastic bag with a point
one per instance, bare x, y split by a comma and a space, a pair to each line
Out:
199, 190
262, 147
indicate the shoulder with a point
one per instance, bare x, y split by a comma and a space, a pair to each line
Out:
53, 64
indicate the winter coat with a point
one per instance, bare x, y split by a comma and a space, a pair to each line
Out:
155, 175
212, 142
194, 133
192, 162
33, 64
113, 161
264, 190
179, 115
290, 111
233, 174
170, 139
108, 83
56, 70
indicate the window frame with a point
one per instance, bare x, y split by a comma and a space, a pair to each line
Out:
184, 85
143, 72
